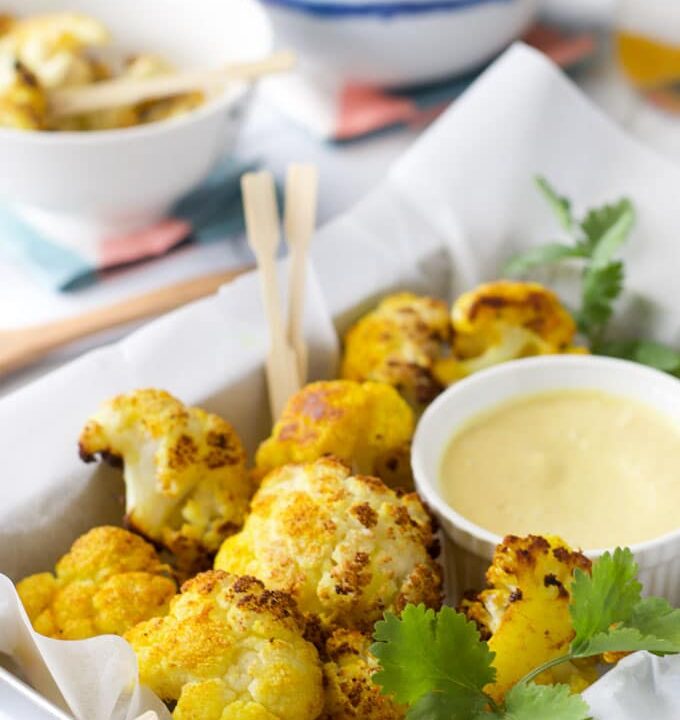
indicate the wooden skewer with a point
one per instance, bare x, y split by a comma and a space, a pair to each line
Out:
21, 347
262, 224
130, 91
302, 184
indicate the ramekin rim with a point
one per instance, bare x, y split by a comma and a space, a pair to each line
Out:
427, 487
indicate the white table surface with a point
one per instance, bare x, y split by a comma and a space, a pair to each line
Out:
348, 172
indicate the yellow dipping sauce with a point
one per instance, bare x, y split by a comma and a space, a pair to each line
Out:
598, 470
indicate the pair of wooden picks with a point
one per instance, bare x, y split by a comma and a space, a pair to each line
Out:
287, 357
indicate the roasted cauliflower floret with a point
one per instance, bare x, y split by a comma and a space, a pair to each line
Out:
348, 671
187, 486
147, 65
502, 321
346, 547
524, 613
230, 649
6, 23
365, 424
51, 46
398, 344
23, 104
109, 581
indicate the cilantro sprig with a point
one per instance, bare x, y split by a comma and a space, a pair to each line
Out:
595, 242
437, 664
434, 662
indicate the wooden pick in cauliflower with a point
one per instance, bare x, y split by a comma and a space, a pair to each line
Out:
187, 486
109, 581
398, 344
367, 425
502, 321
346, 548
524, 613
350, 690
229, 648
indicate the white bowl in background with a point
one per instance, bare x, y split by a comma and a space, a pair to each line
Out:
81, 187
470, 548
397, 42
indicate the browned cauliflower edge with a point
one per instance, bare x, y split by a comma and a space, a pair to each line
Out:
229, 648
187, 486
398, 343
505, 320
524, 612
347, 548
367, 425
350, 690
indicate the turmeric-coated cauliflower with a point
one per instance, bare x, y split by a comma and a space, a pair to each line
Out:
502, 321
524, 613
347, 548
398, 344
187, 486
348, 671
6, 23
230, 650
51, 46
365, 424
23, 104
109, 581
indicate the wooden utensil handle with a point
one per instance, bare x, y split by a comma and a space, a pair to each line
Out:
29, 344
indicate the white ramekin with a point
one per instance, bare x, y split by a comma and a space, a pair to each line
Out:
468, 547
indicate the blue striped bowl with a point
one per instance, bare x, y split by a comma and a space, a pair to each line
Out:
398, 42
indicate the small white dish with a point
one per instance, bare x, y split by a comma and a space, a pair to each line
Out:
470, 548
397, 42
82, 187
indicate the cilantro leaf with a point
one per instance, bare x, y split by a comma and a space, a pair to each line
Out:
645, 352
528, 701
543, 255
653, 616
445, 706
606, 597
626, 639
597, 238
658, 356
560, 205
434, 662
606, 230
609, 614
601, 287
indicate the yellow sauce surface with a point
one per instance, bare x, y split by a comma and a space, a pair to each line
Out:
596, 469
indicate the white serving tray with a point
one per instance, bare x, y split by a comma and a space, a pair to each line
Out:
448, 214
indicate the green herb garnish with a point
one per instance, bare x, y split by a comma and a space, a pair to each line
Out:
437, 664
596, 240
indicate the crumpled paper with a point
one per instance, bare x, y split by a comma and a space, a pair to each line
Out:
640, 686
101, 681
447, 216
